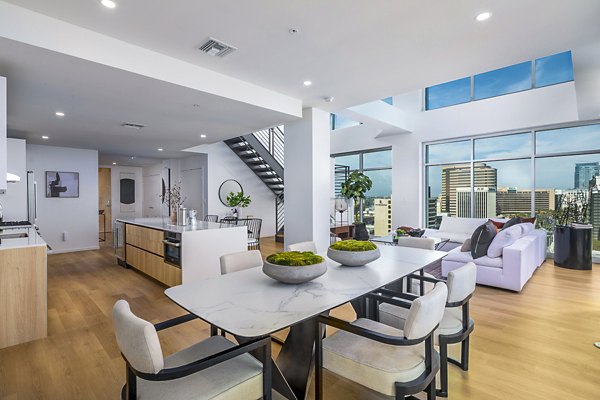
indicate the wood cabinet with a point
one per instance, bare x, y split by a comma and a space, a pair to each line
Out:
153, 266
145, 238
23, 295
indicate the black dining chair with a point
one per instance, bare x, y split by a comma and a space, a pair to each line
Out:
253, 225
229, 220
211, 218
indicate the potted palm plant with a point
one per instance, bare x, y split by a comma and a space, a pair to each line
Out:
238, 200
355, 188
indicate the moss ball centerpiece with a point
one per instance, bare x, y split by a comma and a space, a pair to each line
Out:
353, 253
294, 266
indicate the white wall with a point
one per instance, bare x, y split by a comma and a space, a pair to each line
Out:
76, 216
115, 188
224, 164
2, 133
14, 200
549, 105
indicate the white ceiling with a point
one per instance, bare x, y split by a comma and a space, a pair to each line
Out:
357, 51
97, 99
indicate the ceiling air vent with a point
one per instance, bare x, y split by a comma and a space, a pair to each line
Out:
214, 47
132, 125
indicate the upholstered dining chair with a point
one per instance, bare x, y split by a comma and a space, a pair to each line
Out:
388, 360
240, 261
413, 285
212, 368
456, 325
303, 246
211, 218
417, 242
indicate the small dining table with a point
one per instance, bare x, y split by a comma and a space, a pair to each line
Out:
249, 304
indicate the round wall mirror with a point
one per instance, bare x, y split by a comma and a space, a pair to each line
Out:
230, 185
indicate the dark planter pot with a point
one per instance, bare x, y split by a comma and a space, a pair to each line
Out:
573, 247
360, 232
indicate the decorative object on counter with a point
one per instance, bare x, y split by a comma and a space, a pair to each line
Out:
192, 215
294, 266
353, 253
228, 186
239, 201
173, 198
360, 231
341, 206
62, 184
356, 187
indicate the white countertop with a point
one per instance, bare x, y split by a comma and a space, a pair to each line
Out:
249, 303
32, 239
163, 224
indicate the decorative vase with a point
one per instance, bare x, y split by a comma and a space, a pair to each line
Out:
360, 231
173, 216
353, 258
294, 275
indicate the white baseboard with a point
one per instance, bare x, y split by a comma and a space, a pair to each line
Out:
74, 250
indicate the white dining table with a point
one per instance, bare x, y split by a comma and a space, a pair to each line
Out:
249, 304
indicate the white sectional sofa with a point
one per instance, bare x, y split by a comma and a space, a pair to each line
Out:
510, 271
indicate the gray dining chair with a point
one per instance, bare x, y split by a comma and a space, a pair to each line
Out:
240, 261
303, 246
213, 368
456, 325
393, 362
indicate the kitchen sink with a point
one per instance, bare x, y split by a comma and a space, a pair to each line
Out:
13, 235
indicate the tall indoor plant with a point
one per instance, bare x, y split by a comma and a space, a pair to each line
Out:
355, 188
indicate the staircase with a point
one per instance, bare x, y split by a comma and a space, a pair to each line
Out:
263, 153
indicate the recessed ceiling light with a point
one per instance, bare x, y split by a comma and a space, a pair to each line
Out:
160, 149
132, 158
307, 83
108, 3
114, 163
483, 16
203, 136
59, 114
45, 137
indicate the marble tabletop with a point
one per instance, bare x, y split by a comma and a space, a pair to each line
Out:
249, 303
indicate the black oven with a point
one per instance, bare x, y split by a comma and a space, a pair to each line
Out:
172, 248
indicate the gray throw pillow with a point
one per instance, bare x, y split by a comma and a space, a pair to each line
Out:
512, 221
466, 246
481, 239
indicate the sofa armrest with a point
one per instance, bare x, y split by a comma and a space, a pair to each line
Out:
519, 262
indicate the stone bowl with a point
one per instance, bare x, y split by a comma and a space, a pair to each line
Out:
294, 275
353, 258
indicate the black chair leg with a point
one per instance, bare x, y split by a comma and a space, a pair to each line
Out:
464, 354
318, 363
213, 330
443, 392
431, 392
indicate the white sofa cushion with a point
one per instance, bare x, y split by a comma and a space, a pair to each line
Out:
461, 225
465, 257
372, 364
504, 238
457, 237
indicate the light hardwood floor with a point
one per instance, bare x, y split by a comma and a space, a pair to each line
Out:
534, 345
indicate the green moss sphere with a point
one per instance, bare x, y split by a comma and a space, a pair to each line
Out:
295, 258
353, 245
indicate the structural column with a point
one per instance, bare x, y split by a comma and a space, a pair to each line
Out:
307, 179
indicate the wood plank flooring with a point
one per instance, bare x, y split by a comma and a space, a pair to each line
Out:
534, 345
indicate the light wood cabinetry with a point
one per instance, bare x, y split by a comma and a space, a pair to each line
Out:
23, 295
153, 265
145, 238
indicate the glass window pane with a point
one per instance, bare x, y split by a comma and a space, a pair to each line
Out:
568, 177
448, 94
389, 100
340, 122
448, 192
351, 160
554, 69
502, 81
518, 145
377, 159
512, 191
377, 216
563, 140
448, 152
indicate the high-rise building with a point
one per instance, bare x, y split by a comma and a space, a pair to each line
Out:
513, 201
383, 216
484, 204
584, 173
595, 206
459, 176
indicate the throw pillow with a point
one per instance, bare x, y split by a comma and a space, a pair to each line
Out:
466, 246
529, 220
527, 228
504, 238
481, 239
512, 221
497, 224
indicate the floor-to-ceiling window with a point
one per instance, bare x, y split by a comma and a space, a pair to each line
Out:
520, 173
376, 210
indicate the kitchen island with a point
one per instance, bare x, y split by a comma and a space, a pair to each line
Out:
174, 254
23, 286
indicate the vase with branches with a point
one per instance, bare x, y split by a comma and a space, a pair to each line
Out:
174, 199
